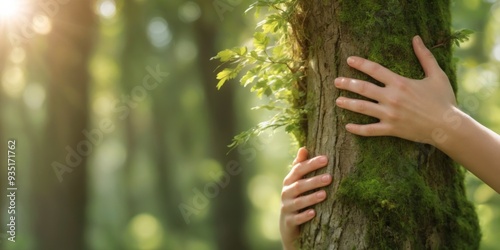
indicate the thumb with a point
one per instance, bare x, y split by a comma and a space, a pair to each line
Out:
425, 56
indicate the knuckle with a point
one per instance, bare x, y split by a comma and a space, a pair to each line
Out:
367, 130
400, 84
285, 193
295, 203
374, 67
296, 188
359, 86
428, 54
286, 180
360, 106
283, 207
394, 101
392, 115
298, 219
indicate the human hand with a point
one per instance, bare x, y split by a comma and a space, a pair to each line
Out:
407, 108
292, 199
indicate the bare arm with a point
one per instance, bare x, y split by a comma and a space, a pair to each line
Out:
422, 111
474, 146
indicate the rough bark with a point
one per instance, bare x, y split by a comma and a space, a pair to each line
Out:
387, 193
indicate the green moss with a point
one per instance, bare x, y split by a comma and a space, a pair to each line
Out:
399, 194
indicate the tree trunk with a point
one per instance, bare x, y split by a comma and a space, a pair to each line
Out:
387, 193
61, 202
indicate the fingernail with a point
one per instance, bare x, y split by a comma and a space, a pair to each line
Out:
348, 127
321, 194
326, 178
351, 60
310, 212
338, 81
339, 101
322, 159
418, 39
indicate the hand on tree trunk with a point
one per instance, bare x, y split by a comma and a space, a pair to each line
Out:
293, 200
422, 111
407, 108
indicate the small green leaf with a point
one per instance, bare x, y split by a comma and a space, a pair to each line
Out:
260, 41
225, 55
227, 74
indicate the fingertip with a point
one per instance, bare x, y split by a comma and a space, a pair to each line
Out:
322, 159
311, 213
303, 152
417, 39
340, 101
337, 81
352, 60
327, 178
321, 194
349, 127
418, 43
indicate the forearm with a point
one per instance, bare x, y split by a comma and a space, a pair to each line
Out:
474, 146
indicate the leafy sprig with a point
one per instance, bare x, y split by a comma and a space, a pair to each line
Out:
269, 69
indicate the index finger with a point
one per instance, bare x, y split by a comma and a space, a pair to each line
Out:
302, 168
302, 154
373, 69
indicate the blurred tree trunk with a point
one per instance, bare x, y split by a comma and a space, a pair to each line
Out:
230, 210
132, 74
166, 105
387, 193
61, 203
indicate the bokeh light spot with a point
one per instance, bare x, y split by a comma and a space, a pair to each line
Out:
34, 96
189, 12
146, 232
13, 81
158, 32
262, 192
185, 51
107, 9
42, 24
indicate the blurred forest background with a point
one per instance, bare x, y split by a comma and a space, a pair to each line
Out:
122, 136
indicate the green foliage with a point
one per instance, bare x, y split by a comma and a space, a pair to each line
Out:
461, 36
456, 38
269, 68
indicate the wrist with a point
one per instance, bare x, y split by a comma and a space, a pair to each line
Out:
288, 245
448, 126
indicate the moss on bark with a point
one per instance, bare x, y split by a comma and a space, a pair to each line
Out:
392, 193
